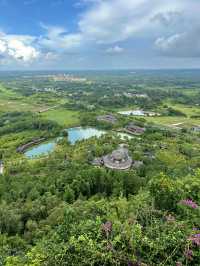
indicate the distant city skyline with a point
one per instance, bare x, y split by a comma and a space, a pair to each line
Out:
99, 34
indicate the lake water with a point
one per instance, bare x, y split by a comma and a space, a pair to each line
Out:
42, 149
79, 133
74, 135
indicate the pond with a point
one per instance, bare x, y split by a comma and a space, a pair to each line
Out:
78, 133
42, 149
74, 135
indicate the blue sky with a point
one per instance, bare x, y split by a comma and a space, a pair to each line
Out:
25, 16
99, 34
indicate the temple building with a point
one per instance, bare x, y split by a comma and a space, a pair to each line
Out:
107, 118
97, 162
119, 160
135, 130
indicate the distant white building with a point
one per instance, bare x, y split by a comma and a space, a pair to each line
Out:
1, 167
134, 95
196, 129
138, 113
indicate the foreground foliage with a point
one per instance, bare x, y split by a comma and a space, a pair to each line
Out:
62, 210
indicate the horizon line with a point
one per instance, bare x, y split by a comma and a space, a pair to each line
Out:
99, 69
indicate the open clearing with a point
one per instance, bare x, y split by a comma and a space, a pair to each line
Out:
63, 117
187, 121
170, 120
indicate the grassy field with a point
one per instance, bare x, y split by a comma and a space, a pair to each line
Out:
63, 117
18, 105
170, 120
12, 101
188, 110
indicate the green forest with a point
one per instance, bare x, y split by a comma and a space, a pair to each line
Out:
59, 208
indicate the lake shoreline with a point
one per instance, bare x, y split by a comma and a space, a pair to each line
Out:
74, 134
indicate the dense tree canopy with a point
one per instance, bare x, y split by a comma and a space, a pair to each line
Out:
61, 209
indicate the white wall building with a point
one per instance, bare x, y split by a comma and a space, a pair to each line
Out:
1, 168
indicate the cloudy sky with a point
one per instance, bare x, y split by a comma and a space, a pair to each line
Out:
99, 34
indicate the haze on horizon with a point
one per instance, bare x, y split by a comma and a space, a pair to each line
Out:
99, 34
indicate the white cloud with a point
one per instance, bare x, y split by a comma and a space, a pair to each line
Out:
20, 51
185, 44
171, 27
57, 38
115, 50
173, 24
18, 48
164, 44
50, 56
168, 19
114, 20
3, 47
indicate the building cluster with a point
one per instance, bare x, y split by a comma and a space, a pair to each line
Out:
138, 113
68, 78
46, 89
135, 130
134, 95
130, 129
109, 118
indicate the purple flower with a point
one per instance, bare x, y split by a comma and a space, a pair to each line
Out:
106, 228
179, 263
188, 254
189, 203
195, 239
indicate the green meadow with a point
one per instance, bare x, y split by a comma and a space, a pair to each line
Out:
63, 117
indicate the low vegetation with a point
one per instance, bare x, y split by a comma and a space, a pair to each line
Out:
62, 210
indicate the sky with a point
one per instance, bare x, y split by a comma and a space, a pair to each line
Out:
99, 34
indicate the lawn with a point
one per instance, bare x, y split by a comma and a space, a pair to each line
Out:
5, 93
13, 101
19, 104
63, 117
169, 120
188, 110
188, 121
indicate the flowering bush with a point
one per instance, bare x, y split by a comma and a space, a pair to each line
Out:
190, 203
